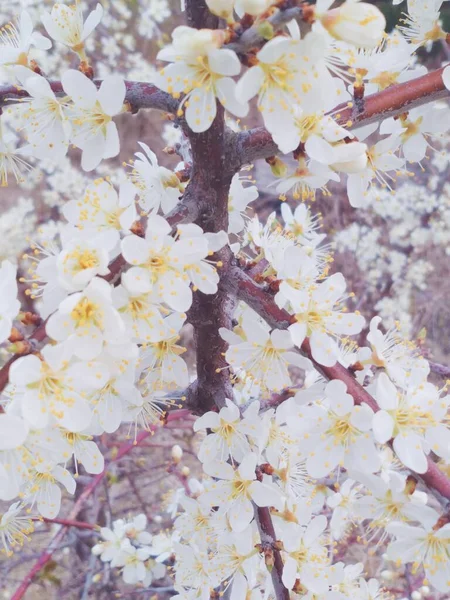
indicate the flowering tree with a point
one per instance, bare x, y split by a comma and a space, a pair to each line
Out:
307, 435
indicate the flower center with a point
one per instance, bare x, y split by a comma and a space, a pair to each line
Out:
86, 313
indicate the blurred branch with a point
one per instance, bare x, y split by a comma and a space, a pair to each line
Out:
258, 143
439, 369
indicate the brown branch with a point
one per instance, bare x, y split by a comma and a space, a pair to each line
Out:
139, 95
208, 189
262, 302
397, 99
268, 543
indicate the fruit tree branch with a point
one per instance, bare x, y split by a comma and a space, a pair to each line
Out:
258, 143
139, 94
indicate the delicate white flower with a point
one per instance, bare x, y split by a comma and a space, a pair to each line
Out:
142, 315
262, 354
398, 356
194, 570
14, 528
381, 159
79, 262
421, 25
335, 432
91, 115
135, 530
15, 42
202, 271
86, 321
45, 121
343, 504
237, 489
50, 387
157, 186
9, 305
416, 128
65, 24
307, 178
85, 452
44, 490
132, 560
161, 361
11, 160
395, 500
428, 546
160, 261
111, 550
276, 80
306, 556
113, 392
103, 209
202, 71
415, 419
320, 316
229, 434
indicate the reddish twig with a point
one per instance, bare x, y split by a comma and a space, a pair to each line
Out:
46, 556
68, 523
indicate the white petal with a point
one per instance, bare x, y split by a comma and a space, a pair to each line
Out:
111, 94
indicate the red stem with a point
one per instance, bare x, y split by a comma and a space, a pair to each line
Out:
69, 523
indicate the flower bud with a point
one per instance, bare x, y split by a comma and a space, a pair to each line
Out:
416, 595
252, 7
278, 167
177, 453
356, 23
222, 8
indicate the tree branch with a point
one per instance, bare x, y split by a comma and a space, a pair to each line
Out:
439, 369
139, 95
268, 539
258, 143
262, 302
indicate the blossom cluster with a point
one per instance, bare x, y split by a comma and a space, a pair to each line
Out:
129, 546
